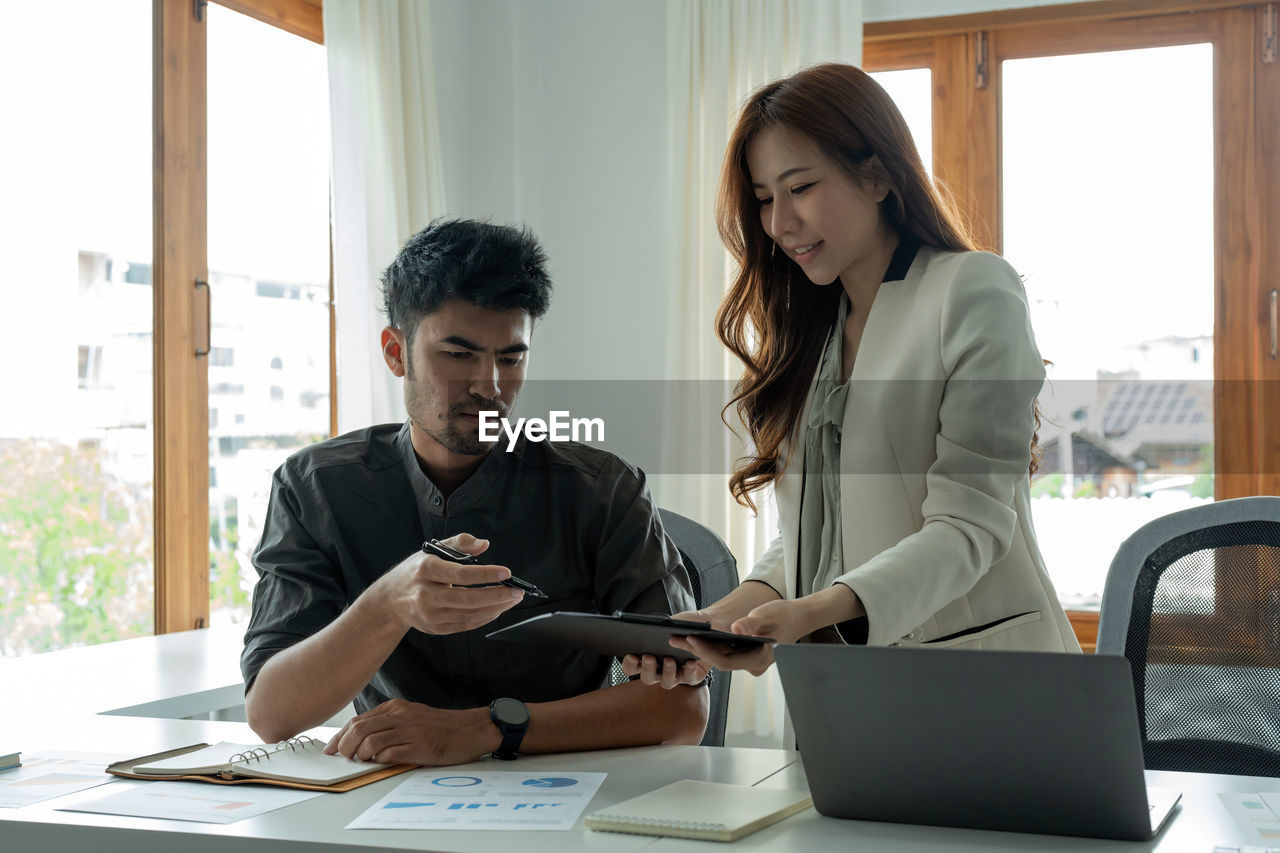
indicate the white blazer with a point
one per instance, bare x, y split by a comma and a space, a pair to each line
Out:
934, 492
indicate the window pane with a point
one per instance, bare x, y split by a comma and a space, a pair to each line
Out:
269, 272
1108, 215
76, 506
912, 91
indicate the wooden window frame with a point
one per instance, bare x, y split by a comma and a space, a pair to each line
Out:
180, 316
181, 404
966, 140
300, 17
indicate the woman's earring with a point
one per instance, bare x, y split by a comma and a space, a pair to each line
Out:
773, 250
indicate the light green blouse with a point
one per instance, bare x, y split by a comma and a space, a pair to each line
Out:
820, 547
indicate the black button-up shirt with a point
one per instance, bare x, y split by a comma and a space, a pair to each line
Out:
574, 520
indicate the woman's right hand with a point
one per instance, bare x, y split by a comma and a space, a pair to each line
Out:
722, 615
667, 672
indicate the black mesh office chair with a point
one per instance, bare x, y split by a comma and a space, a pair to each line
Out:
1193, 601
713, 573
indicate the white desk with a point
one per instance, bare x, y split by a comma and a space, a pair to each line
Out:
174, 675
1198, 823
71, 701
319, 822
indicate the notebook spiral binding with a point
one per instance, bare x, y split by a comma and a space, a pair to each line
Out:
293, 744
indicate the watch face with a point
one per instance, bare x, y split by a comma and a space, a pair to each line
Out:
511, 711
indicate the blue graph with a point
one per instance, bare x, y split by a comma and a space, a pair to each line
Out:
406, 805
550, 782
456, 781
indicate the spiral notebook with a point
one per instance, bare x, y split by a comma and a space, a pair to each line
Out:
709, 811
296, 763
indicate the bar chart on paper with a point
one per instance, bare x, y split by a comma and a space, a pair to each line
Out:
194, 801
1257, 815
501, 800
46, 775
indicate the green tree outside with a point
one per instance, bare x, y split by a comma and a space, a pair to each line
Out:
1202, 486
1050, 486
75, 550
1087, 489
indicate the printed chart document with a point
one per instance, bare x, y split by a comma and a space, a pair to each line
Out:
1257, 815
499, 800
46, 775
194, 801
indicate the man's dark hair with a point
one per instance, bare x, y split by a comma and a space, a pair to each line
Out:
492, 266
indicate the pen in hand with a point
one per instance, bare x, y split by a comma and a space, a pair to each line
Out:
436, 548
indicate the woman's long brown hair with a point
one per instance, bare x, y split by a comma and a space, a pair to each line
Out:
772, 318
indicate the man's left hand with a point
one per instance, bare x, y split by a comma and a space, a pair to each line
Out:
403, 732
784, 621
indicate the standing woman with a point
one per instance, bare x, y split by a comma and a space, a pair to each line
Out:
889, 393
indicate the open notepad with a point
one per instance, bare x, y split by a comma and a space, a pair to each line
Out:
296, 763
711, 811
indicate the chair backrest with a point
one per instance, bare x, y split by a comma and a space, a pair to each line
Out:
713, 574
1192, 599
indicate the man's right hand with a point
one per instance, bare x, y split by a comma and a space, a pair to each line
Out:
425, 592
667, 672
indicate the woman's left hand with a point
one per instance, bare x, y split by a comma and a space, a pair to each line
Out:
784, 621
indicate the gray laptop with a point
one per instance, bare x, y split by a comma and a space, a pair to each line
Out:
1016, 741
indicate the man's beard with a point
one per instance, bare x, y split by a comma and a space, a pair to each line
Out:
454, 434
457, 435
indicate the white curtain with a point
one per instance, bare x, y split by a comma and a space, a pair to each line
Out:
387, 179
719, 51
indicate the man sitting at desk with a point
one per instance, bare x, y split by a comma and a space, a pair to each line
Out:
341, 613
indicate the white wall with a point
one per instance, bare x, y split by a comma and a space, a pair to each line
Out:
552, 114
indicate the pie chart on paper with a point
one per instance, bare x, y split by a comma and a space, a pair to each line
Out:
550, 782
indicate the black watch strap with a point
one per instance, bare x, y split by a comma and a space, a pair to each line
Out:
512, 719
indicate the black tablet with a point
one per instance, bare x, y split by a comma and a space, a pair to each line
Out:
617, 635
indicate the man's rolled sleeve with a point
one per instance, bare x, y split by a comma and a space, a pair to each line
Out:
299, 589
638, 567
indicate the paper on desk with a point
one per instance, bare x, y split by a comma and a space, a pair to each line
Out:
194, 801
46, 775
1257, 815
498, 800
